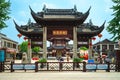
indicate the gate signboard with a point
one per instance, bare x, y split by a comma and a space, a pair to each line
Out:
23, 66
102, 66
2, 55
29, 66
18, 66
91, 66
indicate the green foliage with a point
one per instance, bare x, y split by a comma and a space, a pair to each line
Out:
36, 49
83, 48
114, 24
42, 60
24, 46
4, 11
77, 60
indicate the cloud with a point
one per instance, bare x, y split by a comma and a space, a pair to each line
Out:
82, 5
80, 2
19, 21
108, 5
23, 13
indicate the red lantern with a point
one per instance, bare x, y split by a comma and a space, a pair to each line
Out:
90, 44
25, 38
93, 38
29, 44
19, 35
99, 35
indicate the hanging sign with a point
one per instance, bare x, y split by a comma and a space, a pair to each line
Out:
23, 66
91, 66
102, 66
59, 32
2, 55
18, 66
29, 66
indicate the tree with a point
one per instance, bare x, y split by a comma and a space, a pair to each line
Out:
24, 46
36, 49
114, 24
4, 11
83, 48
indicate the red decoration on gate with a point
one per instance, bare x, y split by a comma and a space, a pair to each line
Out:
29, 44
19, 35
99, 35
93, 38
25, 38
90, 44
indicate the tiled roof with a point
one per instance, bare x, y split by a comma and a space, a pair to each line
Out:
105, 41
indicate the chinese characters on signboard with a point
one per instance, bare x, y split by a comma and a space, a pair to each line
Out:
60, 32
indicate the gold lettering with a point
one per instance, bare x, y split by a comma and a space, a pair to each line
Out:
59, 32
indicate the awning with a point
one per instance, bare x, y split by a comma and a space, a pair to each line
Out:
10, 50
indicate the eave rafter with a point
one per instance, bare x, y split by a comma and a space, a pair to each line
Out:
28, 33
92, 33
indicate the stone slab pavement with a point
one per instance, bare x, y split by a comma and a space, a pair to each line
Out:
49, 75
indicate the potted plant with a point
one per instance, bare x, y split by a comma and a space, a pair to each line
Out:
76, 61
42, 61
35, 50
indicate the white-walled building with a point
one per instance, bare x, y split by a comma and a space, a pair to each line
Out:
10, 46
105, 45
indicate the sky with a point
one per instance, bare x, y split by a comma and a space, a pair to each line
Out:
20, 12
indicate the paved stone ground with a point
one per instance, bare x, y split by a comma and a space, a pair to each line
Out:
31, 75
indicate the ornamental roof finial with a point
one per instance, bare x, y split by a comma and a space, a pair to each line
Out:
44, 7
90, 22
75, 8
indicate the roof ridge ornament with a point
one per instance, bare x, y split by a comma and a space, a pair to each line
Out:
85, 15
75, 8
15, 23
89, 9
44, 8
31, 9
103, 24
90, 22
